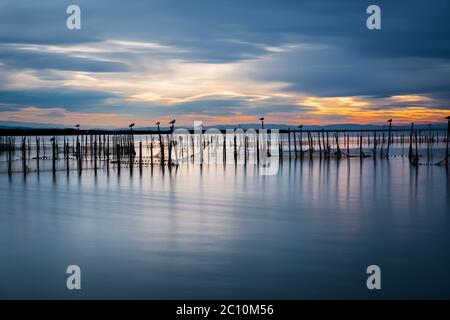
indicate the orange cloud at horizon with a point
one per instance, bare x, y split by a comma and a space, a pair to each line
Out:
402, 109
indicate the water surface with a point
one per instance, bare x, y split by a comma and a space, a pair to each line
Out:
218, 231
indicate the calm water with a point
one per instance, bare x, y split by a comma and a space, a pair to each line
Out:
219, 231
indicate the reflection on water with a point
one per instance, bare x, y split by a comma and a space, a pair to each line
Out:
227, 232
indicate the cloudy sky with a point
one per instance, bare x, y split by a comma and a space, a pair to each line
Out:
224, 61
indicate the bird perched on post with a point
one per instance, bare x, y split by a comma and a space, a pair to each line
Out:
390, 120
131, 142
262, 122
172, 124
159, 133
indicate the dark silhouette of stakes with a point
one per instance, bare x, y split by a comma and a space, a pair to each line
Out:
91, 147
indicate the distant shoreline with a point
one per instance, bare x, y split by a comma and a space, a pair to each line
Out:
153, 131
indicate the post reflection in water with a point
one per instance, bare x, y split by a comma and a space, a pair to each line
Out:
224, 231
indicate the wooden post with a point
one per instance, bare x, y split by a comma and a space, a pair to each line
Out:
410, 154
140, 155
131, 154
53, 155
428, 140
348, 144
37, 154
374, 144
416, 157
295, 144
95, 154
301, 143
151, 152
24, 159
448, 138
224, 152
338, 152
389, 138
10, 155
360, 146
382, 144
90, 147
289, 141
66, 149
118, 157
245, 149
280, 146
169, 159
235, 149
107, 153
320, 145
100, 146
161, 145
79, 155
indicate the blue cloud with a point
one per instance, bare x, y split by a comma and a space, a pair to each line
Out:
73, 100
44, 60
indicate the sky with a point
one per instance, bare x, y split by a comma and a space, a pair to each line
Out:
224, 62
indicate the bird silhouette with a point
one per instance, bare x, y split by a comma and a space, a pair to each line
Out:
172, 122
390, 120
